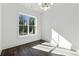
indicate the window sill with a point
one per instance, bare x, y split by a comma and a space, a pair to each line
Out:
27, 35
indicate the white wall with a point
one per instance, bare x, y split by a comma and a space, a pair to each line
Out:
64, 19
10, 25
0, 29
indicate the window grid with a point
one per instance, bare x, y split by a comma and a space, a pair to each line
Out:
28, 26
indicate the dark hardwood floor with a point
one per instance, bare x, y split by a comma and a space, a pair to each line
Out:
27, 50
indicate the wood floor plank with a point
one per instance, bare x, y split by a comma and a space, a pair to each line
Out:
27, 50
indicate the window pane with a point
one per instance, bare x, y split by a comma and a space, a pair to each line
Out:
31, 29
31, 21
25, 29
21, 30
23, 20
20, 19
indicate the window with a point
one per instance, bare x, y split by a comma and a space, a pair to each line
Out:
27, 24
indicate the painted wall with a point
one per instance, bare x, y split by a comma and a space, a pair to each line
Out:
0, 29
10, 25
64, 19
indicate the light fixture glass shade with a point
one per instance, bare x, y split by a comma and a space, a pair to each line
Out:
45, 6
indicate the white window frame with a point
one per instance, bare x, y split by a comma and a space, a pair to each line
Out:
28, 26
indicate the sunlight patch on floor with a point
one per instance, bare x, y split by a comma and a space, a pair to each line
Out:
44, 47
65, 52
47, 47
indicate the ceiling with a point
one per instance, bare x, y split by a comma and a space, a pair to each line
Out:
33, 6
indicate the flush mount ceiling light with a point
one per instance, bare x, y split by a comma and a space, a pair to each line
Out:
45, 6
